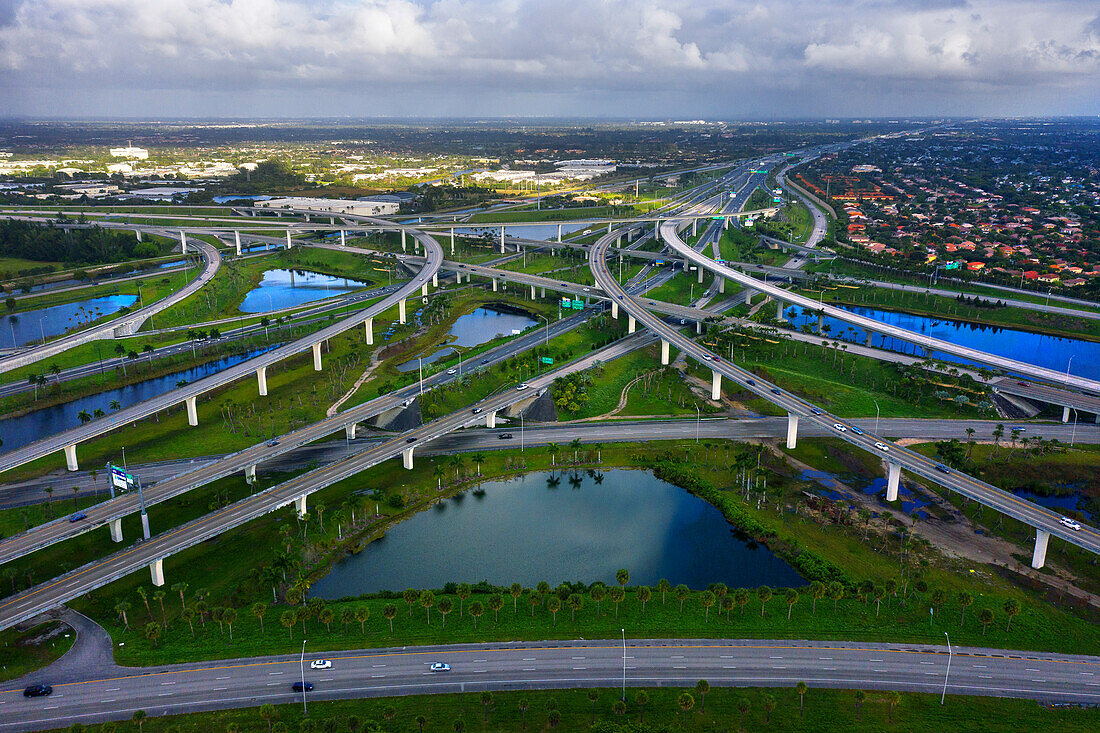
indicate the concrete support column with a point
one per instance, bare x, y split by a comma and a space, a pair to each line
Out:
749, 292
156, 570
250, 474
721, 284
542, 293
349, 431
532, 292
368, 328
401, 310
1065, 414
237, 241
435, 279
407, 458
183, 241
458, 277
138, 233
779, 311
792, 430
893, 478
491, 419
715, 385
424, 290
664, 352
502, 240
192, 411
289, 244
115, 525
300, 505
261, 380
495, 285
452, 241
866, 338
694, 226
559, 232
1039, 556
1097, 418
698, 327
343, 238
820, 323
631, 324
404, 245
317, 356
615, 310
70, 457
700, 268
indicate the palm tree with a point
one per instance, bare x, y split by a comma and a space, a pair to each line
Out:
158, 595
817, 591
702, 687
180, 588
288, 619
476, 609
427, 600
575, 444
269, 713
643, 592
622, 575
139, 717
801, 689
120, 610
769, 706
597, 592
965, 599
523, 705
439, 472
463, 592
641, 700
389, 612
617, 596
894, 697
663, 587
553, 449
836, 592
553, 605
445, 606
1011, 608
85, 416
860, 697
229, 615
98, 413
575, 603
764, 593
478, 459
115, 405
496, 602
362, 613
742, 708
516, 590
681, 592
708, 599
985, 617
686, 703
152, 632
593, 696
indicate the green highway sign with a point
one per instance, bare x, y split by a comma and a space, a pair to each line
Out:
547, 360
565, 302
951, 266
578, 305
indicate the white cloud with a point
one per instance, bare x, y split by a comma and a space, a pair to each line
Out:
410, 50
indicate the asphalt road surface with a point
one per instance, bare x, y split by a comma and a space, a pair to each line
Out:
558, 665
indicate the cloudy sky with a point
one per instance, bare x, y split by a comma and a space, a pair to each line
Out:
603, 58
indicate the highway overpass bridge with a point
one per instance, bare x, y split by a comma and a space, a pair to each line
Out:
188, 395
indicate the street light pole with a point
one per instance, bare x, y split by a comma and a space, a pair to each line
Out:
303, 665
876, 414
420, 361
1073, 434
624, 665
944, 693
698, 417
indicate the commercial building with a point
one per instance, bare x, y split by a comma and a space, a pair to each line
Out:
332, 206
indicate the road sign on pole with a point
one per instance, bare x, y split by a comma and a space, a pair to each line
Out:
547, 360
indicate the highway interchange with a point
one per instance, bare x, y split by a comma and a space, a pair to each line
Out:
899, 669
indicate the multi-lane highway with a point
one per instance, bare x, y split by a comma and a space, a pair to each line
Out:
560, 664
895, 456
69, 439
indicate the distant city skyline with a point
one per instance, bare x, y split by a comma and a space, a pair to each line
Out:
624, 59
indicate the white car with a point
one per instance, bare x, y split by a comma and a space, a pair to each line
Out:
441, 667
521, 387
1067, 522
320, 664
839, 428
452, 371
882, 446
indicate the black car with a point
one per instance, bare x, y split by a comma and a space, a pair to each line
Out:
776, 391
751, 382
37, 691
410, 440
505, 436
298, 686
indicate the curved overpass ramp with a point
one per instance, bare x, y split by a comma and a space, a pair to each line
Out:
670, 234
126, 324
896, 457
188, 394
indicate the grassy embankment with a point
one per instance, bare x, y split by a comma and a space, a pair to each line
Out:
849, 551
763, 709
25, 651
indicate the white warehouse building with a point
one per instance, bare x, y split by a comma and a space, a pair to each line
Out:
332, 206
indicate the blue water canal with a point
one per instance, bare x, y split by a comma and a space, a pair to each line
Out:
289, 288
527, 530
1051, 352
22, 328
32, 426
476, 328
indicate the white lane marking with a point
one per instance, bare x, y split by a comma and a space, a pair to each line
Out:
269, 684
570, 658
163, 694
274, 673
1038, 680
378, 665
167, 683
529, 659
481, 660
831, 669
826, 659
221, 688
927, 662
1029, 669
378, 675
111, 700
976, 666
775, 657
580, 668
326, 679
881, 670
877, 660
1088, 674
986, 676
677, 656
528, 669
112, 689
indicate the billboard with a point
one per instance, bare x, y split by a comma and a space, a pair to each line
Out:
120, 479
